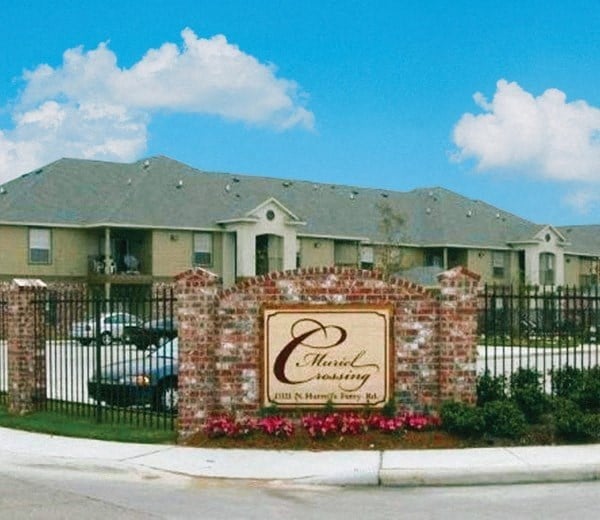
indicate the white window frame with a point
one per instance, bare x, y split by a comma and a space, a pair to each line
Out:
202, 254
367, 257
40, 246
498, 264
547, 265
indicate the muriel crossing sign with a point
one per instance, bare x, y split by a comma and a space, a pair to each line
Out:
339, 355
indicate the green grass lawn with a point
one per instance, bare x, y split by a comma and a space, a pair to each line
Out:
60, 423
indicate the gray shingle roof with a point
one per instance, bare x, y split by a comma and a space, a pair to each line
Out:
584, 240
161, 192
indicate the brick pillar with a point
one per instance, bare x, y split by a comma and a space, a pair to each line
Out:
26, 344
457, 335
196, 293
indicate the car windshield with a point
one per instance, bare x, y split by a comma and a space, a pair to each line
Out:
168, 350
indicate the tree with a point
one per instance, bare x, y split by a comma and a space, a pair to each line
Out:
390, 254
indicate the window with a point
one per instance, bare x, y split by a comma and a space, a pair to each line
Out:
498, 264
39, 246
366, 257
345, 253
203, 249
546, 269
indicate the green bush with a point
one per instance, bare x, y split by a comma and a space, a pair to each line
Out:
490, 388
462, 419
579, 385
389, 408
567, 382
528, 394
590, 393
573, 424
504, 419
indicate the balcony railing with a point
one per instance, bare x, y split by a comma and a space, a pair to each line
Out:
116, 269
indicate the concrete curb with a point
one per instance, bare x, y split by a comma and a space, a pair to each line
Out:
465, 467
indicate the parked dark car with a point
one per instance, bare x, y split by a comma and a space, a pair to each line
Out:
149, 380
153, 332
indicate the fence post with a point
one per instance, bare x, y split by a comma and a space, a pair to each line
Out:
26, 346
196, 294
457, 335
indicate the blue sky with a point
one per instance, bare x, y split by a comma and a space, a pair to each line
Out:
499, 101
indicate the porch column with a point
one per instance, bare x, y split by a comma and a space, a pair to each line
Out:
107, 254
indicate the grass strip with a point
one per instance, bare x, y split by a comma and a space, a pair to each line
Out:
59, 423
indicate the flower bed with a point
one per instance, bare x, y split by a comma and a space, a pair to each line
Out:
316, 431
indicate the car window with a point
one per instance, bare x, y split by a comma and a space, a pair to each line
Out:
169, 350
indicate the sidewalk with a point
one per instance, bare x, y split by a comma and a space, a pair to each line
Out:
357, 468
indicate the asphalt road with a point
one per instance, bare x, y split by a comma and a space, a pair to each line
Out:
50, 489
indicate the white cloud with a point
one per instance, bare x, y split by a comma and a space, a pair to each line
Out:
543, 136
582, 201
89, 107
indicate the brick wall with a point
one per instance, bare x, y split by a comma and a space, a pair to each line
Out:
220, 336
25, 348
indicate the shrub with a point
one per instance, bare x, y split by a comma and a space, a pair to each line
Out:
573, 424
590, 393
527, 392
462, 419
269, 411
567, 382
490, 388
504, 419
389, 409
579, 385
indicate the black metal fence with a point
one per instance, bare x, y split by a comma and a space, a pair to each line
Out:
3, 350
114, 359
539, 329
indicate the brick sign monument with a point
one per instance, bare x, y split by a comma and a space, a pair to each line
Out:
314, 337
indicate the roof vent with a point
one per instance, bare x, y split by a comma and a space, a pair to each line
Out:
385, 195
2, 190
286, 184
146, 164
236, 179
428, 211
227, 188
315, 186
470, 213
353, 194
180, 184
129, 182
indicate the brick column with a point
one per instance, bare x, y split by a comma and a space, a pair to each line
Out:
26, 344
196, 293
457, 335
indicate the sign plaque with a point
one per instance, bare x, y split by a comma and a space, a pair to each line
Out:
338, 355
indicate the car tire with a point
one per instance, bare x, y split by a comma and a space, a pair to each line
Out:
167, 397
106, 338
